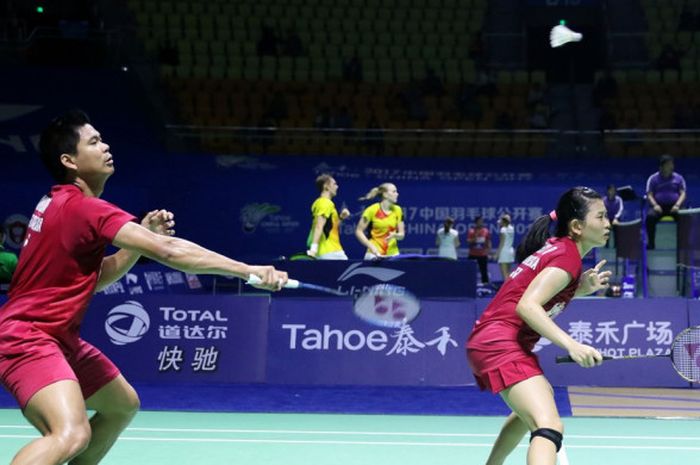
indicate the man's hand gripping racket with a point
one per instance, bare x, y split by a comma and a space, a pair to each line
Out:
267, 278
380, 305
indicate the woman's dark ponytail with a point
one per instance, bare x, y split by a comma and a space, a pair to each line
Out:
535, 238
573, 204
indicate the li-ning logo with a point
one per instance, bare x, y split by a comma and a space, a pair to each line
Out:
380, 274
127, 323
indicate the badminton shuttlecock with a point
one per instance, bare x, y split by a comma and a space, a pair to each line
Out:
561, 35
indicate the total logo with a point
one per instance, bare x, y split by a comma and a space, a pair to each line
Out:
127, 323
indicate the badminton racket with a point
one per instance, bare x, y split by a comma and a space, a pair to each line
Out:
384, 305
684, 355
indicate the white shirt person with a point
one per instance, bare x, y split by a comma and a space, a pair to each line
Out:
505, 256
447, 240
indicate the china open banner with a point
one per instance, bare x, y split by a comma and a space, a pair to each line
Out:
181, 338
321, 341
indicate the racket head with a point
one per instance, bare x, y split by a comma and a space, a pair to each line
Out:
685, 354
387, 305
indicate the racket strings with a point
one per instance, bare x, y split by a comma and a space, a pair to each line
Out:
387, 305
686, 354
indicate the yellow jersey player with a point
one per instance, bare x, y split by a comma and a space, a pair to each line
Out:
385, 221
324, 238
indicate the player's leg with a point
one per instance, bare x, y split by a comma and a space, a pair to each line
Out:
508, 439
115, 405
505, 270
484, 269
533, 401
58, 412
108, 393
652, 218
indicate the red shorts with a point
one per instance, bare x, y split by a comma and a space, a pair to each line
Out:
45, 362
502, 376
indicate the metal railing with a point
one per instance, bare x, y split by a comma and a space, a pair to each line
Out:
418, 141
359, 141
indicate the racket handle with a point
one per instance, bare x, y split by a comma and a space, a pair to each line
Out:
567, 359
254, 279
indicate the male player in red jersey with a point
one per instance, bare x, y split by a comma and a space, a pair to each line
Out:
500, 346
48, 368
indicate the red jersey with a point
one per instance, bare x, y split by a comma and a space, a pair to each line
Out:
478, 240
59, 265
499, 330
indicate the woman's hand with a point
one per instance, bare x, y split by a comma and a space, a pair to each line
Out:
585, 356
374, 250
593, 280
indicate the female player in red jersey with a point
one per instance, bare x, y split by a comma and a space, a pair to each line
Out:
500, 346
53, 373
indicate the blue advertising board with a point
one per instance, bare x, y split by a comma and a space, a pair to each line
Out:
154, 278
619, 327
431, 277
321, 341
424, 278
181, 338
694, 312
239, 339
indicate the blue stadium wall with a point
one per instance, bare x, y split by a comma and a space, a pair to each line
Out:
257, 208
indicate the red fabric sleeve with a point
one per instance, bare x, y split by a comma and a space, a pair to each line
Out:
94, 220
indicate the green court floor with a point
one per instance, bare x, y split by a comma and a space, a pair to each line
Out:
172, 438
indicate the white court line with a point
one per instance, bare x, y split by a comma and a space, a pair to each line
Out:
362, 443
319, 432
374, 433
562, 456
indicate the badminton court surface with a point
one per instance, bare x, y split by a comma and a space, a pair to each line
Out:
177, 438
